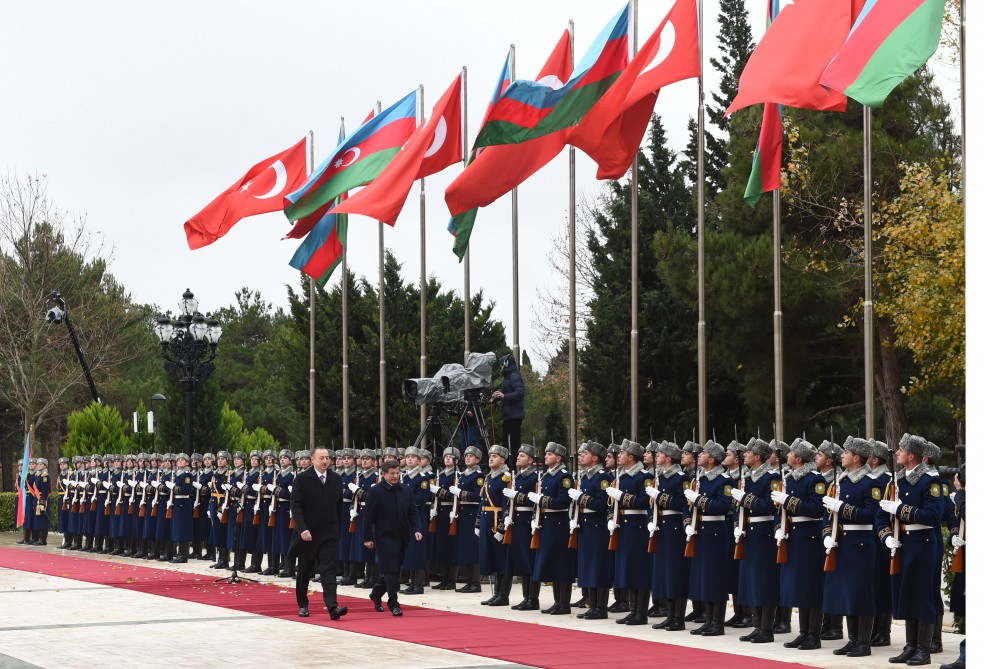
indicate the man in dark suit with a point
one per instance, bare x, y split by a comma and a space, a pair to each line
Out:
390, 521
316, 506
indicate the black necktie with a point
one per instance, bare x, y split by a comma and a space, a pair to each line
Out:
322, 477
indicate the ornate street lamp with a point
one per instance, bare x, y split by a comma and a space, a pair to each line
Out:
188, 347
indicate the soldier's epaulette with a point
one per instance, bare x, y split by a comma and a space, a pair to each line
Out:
905, 512
884, 532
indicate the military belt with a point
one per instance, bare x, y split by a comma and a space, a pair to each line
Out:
588, 511
804, 519
182, 496
670, 512
711, 519
469, 503
447, 503
555, 510
761, 519
248, 497
635, 512
855, 528
525, 508
913, 528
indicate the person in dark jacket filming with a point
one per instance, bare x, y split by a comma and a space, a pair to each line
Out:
390, 522
512, 394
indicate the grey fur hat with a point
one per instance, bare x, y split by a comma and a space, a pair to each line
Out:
801, 448
554, 447
715, 450
633, 448
913, 444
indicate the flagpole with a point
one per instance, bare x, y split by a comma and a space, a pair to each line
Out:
963, 111
701, 315
467, 267
311, 294
572, 268
423, 265
869, 305
345, 348
634, 333
515, 235
777, 312
382, 326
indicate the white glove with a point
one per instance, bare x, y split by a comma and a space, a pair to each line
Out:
107, 485
533, 525
510, 493
779, 497
433, 513
892, 543
143, 484
499, 536
156, 484
435, 491
271, 487
508, 521
614, 493
290, 488
132, 483
119, 484
652, 491
169, 484
573, 525
255, 487
612, 525
240, 484
829, 543
534, 497
352, 514
197, 485
690, 530
833, 505
574, 494
690, 495
455, 490
953, 497
737, 494
64, 482
651, 526
780, 535
738, 534
478, 532
958, 542
227, 487
94, 479
352, 487
890, 506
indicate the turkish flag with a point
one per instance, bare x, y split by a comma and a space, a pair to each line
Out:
261, 190
613, 129
434, 146
498, 169
786, 65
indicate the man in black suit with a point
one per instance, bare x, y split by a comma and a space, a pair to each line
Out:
389, 519
316, 506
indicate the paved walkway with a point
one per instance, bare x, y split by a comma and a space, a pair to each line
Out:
56, 623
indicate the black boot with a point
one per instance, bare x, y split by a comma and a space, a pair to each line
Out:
632, 608
716, 616
502, 591
591, 600
599, 610
42, 537
272, 566
924, 639
757, 615
883, 631
582, 603
812, 641
255, 560
620, 603
701, 613
909, 649
767, 621
784, 617
678, 607
736, 618
473, 584
667, 606
832, 627
222, 561
696, 614
532, 602
239, 563
852, 636
862, 646
641, 608
937, 645
525, 581
804, 630
181, 555
494, 581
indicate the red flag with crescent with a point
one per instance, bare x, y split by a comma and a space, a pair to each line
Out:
260, 191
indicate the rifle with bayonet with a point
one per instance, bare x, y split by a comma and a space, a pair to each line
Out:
690, 548
740, 538
119, 497
576, 513
170, 497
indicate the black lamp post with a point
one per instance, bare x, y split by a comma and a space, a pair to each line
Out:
188, 347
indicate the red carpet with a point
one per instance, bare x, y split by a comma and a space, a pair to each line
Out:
510, 641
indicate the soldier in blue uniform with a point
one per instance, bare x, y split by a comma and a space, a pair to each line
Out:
264, 533
801, 577
734, 465
217, 505
201, 546
139, 499
74, 541
554, 561
248, 531
149, 488
445, 550
183, 489
42, 490
418, 480
881, 458
364, 558
165, 503
849, 590
827, 458
758, 578
115, 499
931, 457
64, 501
712, 536
345, 468
493, 554
671, 569
688, 462
467, 490
282, 531
628, 515
30, 503
236, 512
104, 501
914, 511
521, 554
594, 560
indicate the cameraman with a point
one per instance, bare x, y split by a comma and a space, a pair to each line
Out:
512, 394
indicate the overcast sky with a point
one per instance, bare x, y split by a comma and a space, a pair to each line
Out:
141, 113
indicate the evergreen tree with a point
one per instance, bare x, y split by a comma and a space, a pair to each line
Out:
98, 428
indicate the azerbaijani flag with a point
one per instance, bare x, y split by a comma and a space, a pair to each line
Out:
356, 161
766, 174
22, 489
529, 109
890, 40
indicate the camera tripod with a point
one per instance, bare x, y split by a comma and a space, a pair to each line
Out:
437, 431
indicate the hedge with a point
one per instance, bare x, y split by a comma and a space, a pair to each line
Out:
8, 511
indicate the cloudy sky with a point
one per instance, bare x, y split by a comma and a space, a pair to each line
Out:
141, 113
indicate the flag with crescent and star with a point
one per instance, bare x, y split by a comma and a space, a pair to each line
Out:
260, 191
436, 145
613, 129
356, 161
496, 170
530, 109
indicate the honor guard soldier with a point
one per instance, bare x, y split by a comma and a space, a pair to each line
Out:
148, 493
131, 525
218, 509
104, 500
521, 554
75, 484
711, 534
594, 560
780, 452
249, 530
554, 561
415, 559
280, 514
621, 599
202, 547
758, 582
628, 519
467, 490
848, 584
115, 502
138, 483
493, 554
346, 471
801, 577
688, 462
165, 503
905, 524
64, 499
182, 487
363, 557
828, 457
303, 460
931, 457
671, 568
42, 492
445, 559
264, 532
237, 485
30, 503
734, 466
